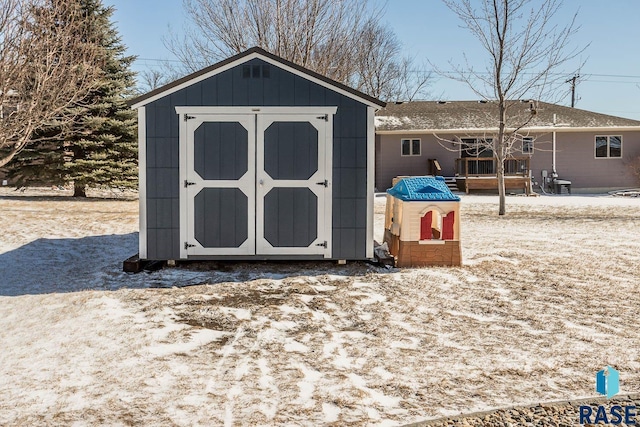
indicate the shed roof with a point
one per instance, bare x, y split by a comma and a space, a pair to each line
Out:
244, 57
423, 188
483, 115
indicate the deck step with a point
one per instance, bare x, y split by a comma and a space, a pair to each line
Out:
451, 183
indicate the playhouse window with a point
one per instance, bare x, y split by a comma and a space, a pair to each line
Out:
434, 226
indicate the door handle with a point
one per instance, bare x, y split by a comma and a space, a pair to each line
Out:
261, 182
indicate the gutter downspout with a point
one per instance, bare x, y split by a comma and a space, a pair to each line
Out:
553, 148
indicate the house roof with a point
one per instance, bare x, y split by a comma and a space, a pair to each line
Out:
423, 188
480, 115
254, 52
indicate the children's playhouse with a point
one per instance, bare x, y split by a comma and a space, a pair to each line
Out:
422, 223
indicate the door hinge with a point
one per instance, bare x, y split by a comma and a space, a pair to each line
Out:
323, 244
325, 117
187, 245
188, 183
187, 117
325, 183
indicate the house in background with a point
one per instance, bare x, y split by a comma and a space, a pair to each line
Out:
589, 149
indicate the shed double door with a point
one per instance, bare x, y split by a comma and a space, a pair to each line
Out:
256, 184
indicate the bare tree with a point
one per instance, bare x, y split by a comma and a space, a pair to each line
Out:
343, 40
526, 50
377, 69
45, 67
149, 80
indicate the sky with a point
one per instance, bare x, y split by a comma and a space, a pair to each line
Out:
431, 34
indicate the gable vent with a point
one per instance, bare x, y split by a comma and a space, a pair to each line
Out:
256, 71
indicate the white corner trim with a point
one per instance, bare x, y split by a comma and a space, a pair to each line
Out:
371, 163
247, 58
142, 182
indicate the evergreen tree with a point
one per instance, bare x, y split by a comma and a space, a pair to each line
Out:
99, 147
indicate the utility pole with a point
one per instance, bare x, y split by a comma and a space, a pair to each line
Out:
573, 81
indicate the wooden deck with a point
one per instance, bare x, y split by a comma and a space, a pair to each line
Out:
491, 183
473, 173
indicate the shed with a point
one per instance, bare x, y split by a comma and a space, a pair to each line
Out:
422, 222
256, 157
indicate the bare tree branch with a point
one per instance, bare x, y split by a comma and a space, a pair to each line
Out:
46, 66
149, 80
341, 40
527, 50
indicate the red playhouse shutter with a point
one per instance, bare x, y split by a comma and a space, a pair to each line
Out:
425, 226
447, 226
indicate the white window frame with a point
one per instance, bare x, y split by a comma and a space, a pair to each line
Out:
528, 141
608, 156
411, 141
477, 144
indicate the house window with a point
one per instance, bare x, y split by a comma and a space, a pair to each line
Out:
609, 146
410, 147
476, 147
527, 145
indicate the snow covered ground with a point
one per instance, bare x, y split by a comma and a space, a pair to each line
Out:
547, 296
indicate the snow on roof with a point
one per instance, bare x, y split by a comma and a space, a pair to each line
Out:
479, 115
423, 188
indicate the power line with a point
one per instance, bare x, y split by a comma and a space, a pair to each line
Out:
609, 81
158, 60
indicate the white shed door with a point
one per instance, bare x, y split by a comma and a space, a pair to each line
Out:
220, 184
293, 186
256, 184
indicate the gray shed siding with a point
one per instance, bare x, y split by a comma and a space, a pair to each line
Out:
281, 88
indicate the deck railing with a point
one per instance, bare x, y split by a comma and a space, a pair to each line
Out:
486, 166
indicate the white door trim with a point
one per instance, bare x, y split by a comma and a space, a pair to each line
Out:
257, 110
264, 183
246, 184
228, 113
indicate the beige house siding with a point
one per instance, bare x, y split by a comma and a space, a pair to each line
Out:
542, 156
390, 162
575, 159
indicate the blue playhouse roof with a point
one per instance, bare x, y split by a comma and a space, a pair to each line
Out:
423, 188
